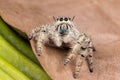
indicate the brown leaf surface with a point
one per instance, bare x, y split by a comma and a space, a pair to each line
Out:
98, 18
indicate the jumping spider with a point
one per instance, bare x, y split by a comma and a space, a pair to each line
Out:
63, 34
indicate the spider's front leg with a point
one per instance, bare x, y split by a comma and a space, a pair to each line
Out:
71, 55
35, 35
38, 47
90, 60
79, 60
43, 38
91, 50
40, 35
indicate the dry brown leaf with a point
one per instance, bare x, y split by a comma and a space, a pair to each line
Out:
98, 18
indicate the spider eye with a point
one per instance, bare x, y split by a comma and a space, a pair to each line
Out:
69, 18
57, 19
61, 19
66, 19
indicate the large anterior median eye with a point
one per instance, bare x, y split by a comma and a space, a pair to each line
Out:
61, 19
66, 19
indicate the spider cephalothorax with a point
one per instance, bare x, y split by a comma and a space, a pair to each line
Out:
64, 34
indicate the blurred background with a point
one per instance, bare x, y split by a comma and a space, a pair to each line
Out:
99, 19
